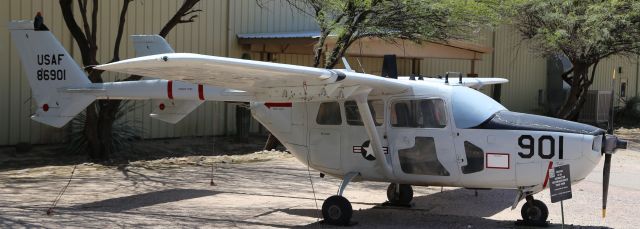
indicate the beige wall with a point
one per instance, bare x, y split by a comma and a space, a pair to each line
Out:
214, 33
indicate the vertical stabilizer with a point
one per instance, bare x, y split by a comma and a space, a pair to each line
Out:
146, 45
50, 70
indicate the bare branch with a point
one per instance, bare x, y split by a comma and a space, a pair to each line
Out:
184, 10
66, 7
121, 22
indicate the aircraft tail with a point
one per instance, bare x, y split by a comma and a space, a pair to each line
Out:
170, 111
50, 70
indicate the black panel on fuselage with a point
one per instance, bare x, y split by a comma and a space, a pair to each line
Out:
507, 120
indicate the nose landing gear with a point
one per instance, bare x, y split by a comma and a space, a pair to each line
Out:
534, 212
399, 194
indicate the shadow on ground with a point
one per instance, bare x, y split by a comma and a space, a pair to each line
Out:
121, 204
55, 154
458, 208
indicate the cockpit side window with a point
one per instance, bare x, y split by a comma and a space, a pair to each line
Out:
475, 158
421, 113
329, 114
353, 114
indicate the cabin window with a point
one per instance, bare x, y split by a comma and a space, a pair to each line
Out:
422, 158
353, 114
422, 113
329, 114
475, 158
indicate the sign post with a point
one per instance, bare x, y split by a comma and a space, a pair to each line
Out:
560, 186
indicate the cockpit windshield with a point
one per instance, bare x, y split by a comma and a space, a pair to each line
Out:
471, 107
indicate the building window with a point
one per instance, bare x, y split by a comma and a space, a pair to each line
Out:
353, 114
422, 158
475, 158
423, 113
329, 114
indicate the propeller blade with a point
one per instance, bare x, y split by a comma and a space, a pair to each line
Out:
606, 171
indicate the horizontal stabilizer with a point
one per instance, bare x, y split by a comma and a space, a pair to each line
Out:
172, 111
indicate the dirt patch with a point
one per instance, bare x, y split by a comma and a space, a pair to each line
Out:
631, 135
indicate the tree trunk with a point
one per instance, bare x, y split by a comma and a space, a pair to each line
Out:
580, 84
101, 115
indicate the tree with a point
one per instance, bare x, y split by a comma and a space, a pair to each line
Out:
585, 31
414, 20
100, 115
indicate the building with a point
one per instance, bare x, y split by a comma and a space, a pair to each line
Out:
215, 32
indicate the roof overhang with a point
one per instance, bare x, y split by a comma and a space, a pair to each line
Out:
303, 43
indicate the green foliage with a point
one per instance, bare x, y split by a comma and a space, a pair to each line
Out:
416, 20
584, 30
123, 133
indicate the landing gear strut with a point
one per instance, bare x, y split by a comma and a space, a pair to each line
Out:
399, 194
534, 212
337, 210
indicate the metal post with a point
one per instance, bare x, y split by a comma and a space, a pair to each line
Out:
562, 212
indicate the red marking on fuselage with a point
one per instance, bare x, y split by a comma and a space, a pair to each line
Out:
45, 107
170, 89
284, 104
161, 106
546, 179
200, 91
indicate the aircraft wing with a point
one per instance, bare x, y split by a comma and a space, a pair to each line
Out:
264, 80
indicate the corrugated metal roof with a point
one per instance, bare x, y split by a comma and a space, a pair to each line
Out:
303, 34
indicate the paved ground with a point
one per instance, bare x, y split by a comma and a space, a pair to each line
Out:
277, 193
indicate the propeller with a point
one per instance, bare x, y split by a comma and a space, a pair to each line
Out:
605, 183
606, 170
609, 146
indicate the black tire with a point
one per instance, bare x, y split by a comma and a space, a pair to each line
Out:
534, 212
404, 197
336, 210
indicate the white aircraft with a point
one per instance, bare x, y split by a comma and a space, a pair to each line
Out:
354, 126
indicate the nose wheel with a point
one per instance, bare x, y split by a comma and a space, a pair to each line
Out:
534, 212
399, 194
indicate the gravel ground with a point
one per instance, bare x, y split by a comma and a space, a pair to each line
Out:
272, 189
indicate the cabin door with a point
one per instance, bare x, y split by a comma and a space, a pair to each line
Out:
422, 142
326, 122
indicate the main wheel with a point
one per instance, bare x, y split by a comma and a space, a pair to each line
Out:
534, 212
336, 210
404, 196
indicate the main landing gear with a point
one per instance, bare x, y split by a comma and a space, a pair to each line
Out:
337, 210
534, 212
399, 194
